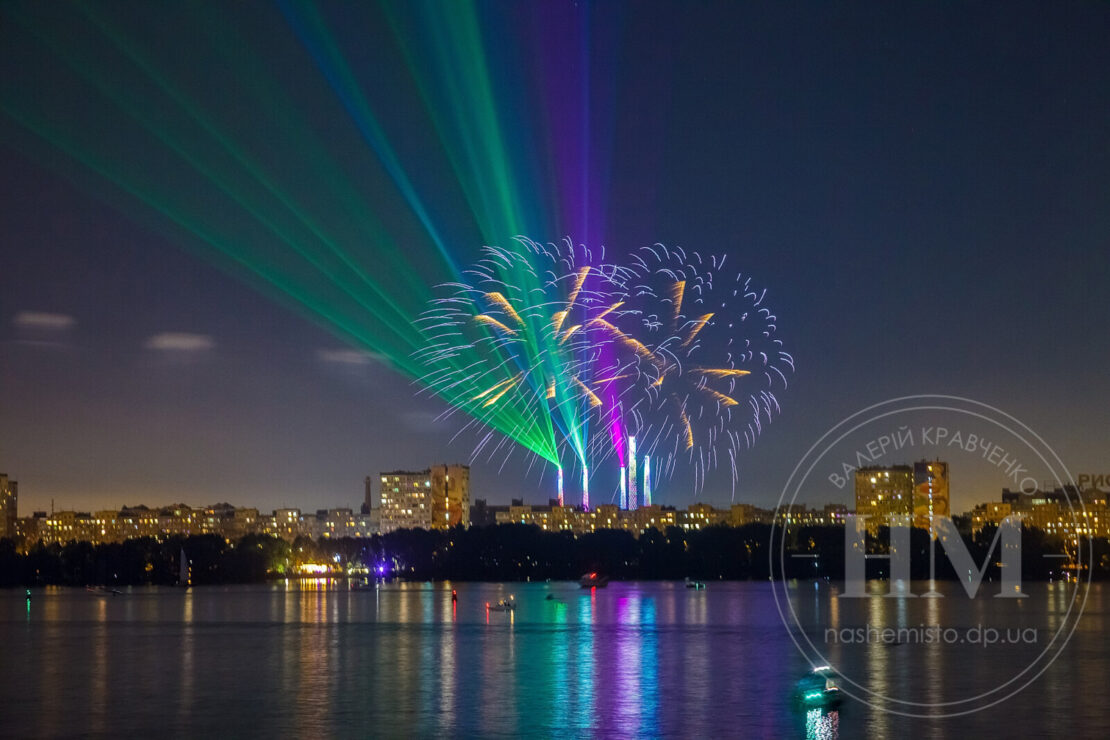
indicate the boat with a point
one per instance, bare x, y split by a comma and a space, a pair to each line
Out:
98, 590
818, 689
505, 605
593, 580
696, 585
363, 584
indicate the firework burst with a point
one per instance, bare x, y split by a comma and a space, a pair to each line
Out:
670, 348
525, 312
700, 346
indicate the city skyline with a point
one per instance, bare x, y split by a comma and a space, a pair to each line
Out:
439, 497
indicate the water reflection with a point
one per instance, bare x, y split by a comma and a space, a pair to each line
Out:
315, 656
878, 667
447, 666
559, 659
632, 660
627, 707
584, 692
649, 645
186, 700
822, 725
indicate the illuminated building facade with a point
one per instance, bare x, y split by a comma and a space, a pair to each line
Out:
699, 516
553, 517
9, 505
1055, 512
450, 496
436, 498
741, 515
884, 492
406, 500
930, 493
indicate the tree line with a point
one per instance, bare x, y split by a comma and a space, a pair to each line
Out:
512, 552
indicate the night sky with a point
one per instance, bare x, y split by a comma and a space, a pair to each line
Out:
923, 188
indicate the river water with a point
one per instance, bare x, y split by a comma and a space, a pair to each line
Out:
314, 659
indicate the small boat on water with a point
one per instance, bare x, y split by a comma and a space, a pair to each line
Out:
98, 590
593, 580
505, 605
818, 689
696, 585
363, 584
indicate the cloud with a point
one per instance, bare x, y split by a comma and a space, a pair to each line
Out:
43, 320
422, 421
171, 341
346, 356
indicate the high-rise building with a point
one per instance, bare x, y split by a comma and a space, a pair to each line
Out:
882, 492
406, 500
450, 496
436, 498
9, 501
930, 492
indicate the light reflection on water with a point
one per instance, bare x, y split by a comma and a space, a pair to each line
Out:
631, 660
822, 725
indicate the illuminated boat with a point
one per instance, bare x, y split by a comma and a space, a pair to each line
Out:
505, 605
696, 585
593, 580
818, 689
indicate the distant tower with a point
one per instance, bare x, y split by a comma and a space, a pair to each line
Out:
647, 481
624, 490
585, 487
559, 484
368, 495
632, 502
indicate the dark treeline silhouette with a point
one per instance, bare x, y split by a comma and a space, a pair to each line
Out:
509, 552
